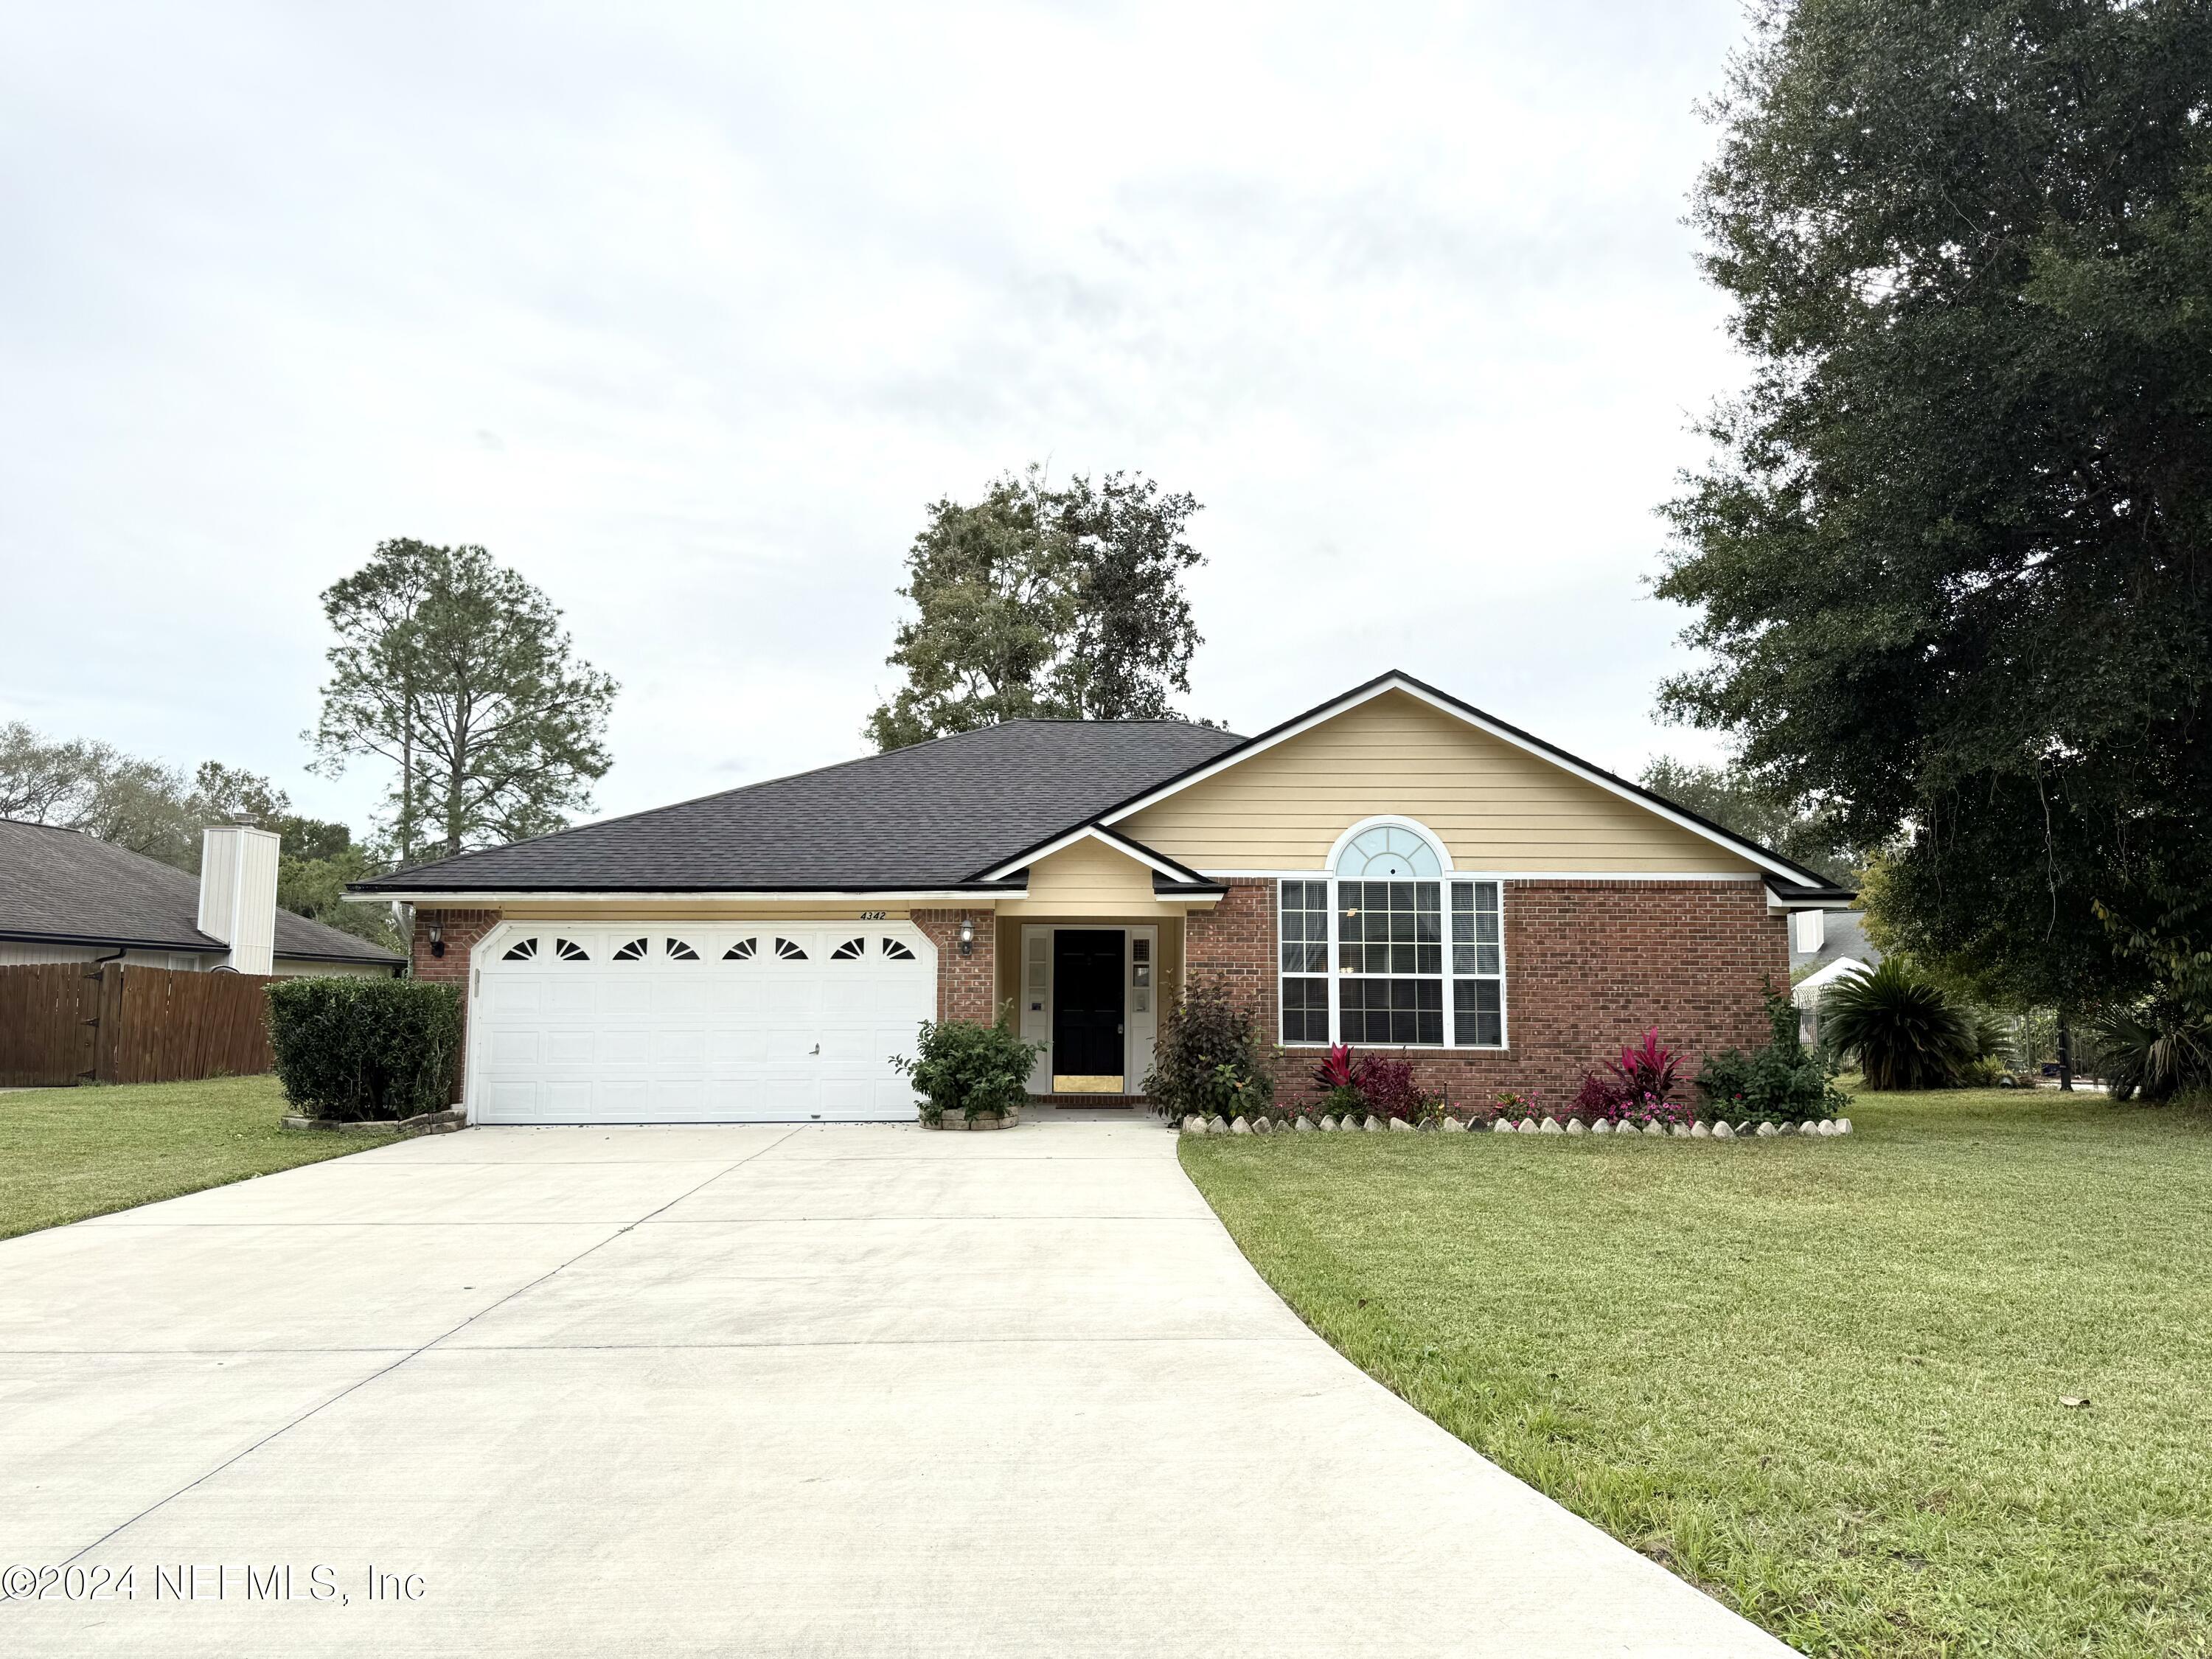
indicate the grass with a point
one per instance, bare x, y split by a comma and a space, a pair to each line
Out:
69, 1153
1821, 1380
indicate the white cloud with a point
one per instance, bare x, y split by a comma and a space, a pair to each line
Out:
686, 314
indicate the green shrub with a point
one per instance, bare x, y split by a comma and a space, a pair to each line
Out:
1782, 1083
964, 1066
1208, 1058
2158, 1052
1901, 1027
361, 1048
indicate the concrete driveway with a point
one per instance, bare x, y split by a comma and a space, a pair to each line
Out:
821, 1391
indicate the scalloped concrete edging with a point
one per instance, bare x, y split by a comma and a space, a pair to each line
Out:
1703, 1129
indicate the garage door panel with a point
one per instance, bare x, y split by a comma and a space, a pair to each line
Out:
663, 1039
567, 997
621, 994
567, 1045
519, 994
686, 1049
688, 995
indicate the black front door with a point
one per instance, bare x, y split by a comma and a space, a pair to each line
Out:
1086, 1002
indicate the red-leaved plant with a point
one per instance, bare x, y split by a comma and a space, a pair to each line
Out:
1646, 1071
1387, 1086
1640, 1088
1337, 1071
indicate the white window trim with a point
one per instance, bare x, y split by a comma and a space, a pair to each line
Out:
1390, 821
1335, 974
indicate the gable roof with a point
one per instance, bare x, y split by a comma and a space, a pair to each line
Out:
63, 886
932, 816
1781, 873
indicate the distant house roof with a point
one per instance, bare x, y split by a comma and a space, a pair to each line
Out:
61, 886
936, 814
1843, 935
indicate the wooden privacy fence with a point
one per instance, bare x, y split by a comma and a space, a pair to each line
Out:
71, 1022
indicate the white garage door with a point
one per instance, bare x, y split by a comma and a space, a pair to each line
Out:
783, 1021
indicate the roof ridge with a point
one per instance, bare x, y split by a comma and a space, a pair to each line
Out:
946, 738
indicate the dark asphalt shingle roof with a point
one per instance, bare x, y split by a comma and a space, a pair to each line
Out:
933, 815
62, 884
1843, 934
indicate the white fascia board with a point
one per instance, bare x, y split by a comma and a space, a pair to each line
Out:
1516, 875
1121, 844
1782, 906
1329, 711
456, 901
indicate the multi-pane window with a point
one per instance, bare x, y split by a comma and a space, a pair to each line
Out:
1390, 962
1303, 936
1368, 960
1478, 967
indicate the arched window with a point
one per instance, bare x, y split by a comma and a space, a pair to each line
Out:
788, 952
850, 950
568, 950
895, 951
633, 951
1362, 955
743, 950
1388, 852
522, 950
680, 952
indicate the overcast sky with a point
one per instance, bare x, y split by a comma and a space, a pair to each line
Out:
686, 311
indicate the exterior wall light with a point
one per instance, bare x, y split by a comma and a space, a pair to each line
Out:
437, 940
967, 937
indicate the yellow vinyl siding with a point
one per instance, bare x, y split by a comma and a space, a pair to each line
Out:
701, 910
1088, 879
1495, 806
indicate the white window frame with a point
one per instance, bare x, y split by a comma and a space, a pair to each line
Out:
1333, 972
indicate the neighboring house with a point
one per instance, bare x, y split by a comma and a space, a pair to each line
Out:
1394, 869
1824, 947
66, 896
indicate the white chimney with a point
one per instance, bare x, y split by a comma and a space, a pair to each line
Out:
1811, 931
238, 894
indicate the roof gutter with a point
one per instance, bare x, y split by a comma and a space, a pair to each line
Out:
106, 941
492, 897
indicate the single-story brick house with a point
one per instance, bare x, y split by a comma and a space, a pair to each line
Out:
1395, 868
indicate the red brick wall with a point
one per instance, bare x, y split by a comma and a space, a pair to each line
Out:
967, 987
1588, 966
461, 930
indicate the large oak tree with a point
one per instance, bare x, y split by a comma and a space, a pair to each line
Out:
1035, 601
1953, 561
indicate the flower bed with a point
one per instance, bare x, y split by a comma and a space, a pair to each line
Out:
1683, 1128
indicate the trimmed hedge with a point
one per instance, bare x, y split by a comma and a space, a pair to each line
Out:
363, 1049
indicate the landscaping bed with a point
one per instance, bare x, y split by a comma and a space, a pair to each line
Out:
1829, 1388
69, 1153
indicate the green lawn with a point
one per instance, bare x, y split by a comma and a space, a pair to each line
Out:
1821, 1380
69, 1153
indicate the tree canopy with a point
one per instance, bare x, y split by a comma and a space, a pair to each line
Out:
1737, 800
1060, 603
1952, 562
456, 672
